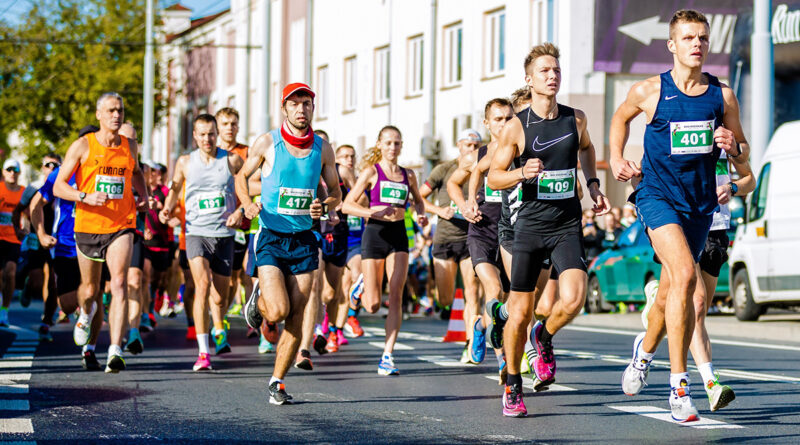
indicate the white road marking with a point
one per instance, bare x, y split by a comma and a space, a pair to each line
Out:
397, 346
16, 426
404, 335
442, 360
665, 415
21, 349
18, 442
14, 388
18, 356
529, 383
15, 364
15, 356
22, 376
14, 405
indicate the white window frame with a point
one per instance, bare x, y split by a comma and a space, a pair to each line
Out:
494, 50
350, 84
381, 86
323, 93
415, 62
538, 22
453, 52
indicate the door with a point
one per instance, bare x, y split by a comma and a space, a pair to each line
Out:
755, 234
783, 238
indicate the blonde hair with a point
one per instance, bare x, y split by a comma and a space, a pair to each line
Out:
686, 16
371, 157
521, 98
545, 49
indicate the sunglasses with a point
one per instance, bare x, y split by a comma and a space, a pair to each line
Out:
51, 164
12, 169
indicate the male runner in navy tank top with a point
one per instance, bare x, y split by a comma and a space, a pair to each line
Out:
549, 139
292, 159
691, 117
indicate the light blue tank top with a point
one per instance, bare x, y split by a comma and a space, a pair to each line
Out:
287, 191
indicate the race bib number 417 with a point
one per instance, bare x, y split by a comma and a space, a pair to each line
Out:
694, 137
292, 201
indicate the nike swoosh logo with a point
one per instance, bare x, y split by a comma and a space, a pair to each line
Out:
670, 97
548, 144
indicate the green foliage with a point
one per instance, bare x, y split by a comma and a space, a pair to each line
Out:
55, 64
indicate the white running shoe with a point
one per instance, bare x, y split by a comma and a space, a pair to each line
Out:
650, 292
635, 376
83, 327
682, 406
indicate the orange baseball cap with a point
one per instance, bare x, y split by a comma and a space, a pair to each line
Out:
292, 88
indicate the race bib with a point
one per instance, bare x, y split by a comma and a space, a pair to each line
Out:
113, 186
557, 184
5, 219
240, 237
295, 201
393, 192
491, 195
694, 137
353, 223
209, 203
456, 211
722, 218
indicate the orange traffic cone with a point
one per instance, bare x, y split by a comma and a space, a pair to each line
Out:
456, 327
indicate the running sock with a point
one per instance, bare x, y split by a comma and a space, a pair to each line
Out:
503, 312
351, 312
544, 335
529, 345
275, 379
514, 379
114, 350
676, 379
644, 355
202, 343
386, 356
88, 347
707, 372
134, 331
189, 322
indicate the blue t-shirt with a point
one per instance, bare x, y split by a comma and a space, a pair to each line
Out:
64, 220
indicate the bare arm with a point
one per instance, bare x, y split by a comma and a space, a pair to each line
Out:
72, 161
637, 101
175, 189
730, 120
419, 202
509, 145
465, 167
586, 155
255, 158
330, 177
352, 204
37, 221
425, 190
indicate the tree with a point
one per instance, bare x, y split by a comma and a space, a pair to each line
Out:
59, 60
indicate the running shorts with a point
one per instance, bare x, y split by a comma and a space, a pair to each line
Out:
353, 250
456, 250
183, 261
68, 274
334, 249
292, 253
9, 253
655, 212
530, 252
239, 251
137, 253
218, 252
94, 246
715, 252
483, 250
159, 259
382, 238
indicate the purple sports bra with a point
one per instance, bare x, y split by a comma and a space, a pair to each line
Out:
387, 192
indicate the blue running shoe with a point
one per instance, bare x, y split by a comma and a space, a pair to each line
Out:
477, 350
221, 341
386, 366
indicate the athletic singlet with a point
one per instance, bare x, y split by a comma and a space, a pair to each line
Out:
290, 187
550, 204
63, 217
108, 170
509, 206
209, 195
489, 203
387, 192
162, 233
341, 229
722, 217
680, 156
182, 215
8, 201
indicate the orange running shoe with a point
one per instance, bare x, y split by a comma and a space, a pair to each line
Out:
270, 332
353, 327
333, 342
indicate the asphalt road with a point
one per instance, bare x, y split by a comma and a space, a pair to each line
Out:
49, 398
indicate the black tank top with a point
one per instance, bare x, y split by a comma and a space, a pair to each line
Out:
550, 204
341, 229
490, 209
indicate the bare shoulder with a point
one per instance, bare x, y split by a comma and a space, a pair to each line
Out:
327, 153
645, 89
727, 94
261, 144
79, 146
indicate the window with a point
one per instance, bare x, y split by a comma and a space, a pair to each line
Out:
231, 50
452, 50
495, 42
415, 67
350, 84
322, 92
381, 83
758, 204
538, 22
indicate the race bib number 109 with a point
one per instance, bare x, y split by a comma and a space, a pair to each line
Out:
557, 184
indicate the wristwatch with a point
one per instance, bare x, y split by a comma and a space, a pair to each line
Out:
82, 195
734, 188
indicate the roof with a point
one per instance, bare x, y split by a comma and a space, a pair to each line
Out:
196, 23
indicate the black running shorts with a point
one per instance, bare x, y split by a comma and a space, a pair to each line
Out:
530, 252
382, 238
715, 252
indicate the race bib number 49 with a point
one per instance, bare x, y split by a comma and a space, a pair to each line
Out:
393, 192
113, 186
557, 184
208, 203
694, 137
293, 201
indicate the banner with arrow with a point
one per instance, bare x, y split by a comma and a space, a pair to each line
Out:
631, 36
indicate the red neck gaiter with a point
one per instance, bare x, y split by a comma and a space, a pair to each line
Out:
299, 142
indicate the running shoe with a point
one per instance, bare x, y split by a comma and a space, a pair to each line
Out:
477, 350
387, 367
353, 328
191, 333
236, 309
719, 396
25, 298
202, 363
44, 333
544, 364
135, 344
650, 292
115, 364
4, 318
340, 336
252, 315
265, 347
333, 342
356, 291
83, 328
635, 376
270, 332
320, 343
681, 404
277, 394
159, 301
325, 324
465, 354
495, 330
513, 406
526, 365
303, 360
89, 361
152, 318
144, 324
251, 333
221, 345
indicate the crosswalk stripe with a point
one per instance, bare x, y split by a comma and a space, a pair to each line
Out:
665, 415
441, 360
397, 346
21, 349
14, 388
14, 405
11, 364
21, 376
16, 426
529, 383
20, 356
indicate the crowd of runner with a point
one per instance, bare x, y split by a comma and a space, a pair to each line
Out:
299, 237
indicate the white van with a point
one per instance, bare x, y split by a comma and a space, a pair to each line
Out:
765, 258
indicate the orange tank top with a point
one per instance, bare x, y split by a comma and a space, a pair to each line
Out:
8, 201
109, 170
241, 150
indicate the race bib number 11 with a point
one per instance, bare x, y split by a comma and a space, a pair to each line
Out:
694, 137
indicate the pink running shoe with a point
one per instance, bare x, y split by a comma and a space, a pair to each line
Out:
342, 340
544, 365
202, 363
325, 324
513, 406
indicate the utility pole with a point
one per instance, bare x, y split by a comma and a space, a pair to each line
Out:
265, 47
762, 86
147, 115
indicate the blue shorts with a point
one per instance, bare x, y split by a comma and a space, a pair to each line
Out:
292, 253
353, 250
655, 212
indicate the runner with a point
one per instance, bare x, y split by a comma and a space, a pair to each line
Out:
384, 244
549, 138
10, 234
105, 213
691, 117
450, 238
352, 280
211, 215
292, 159
482, 209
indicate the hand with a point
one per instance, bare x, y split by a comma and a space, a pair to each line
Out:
447, 213
724, 194
234, 219
252, 210
316, 209
624, 170
532, 168
164, 216
148, 235
173, 222
471, 212
725, 140
20, 233
143, 205
422, 220
601, 203
95, 199
384, 214
47, 241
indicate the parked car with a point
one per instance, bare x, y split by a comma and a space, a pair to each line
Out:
764, 259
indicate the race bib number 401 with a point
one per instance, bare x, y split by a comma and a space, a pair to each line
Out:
113, 186
393, 192
293, 201
694, 137
557, 184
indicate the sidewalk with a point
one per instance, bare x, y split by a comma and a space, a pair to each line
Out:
779, 327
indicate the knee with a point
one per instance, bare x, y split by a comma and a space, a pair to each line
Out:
573, 304
700, 309
119, 282
685, 278
89, 289
371, 307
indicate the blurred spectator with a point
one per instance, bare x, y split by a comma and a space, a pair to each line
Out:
617, 213
628, 215
612, 230
592, 235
